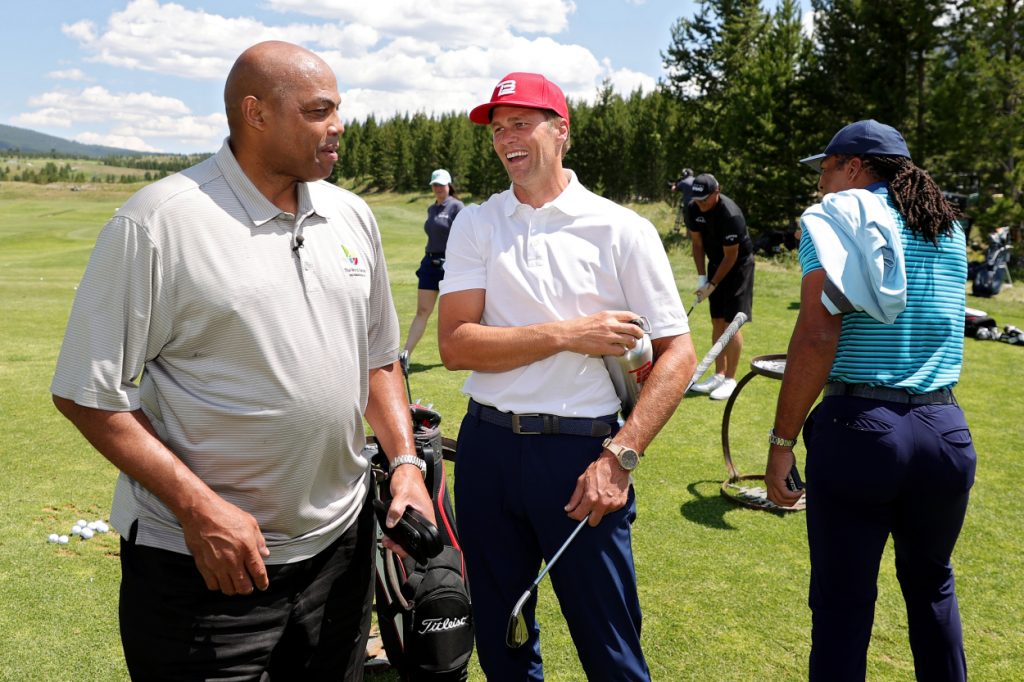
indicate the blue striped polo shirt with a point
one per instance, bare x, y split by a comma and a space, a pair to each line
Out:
922, 350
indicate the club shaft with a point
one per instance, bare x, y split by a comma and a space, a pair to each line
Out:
547, 567
719, 346
408, 389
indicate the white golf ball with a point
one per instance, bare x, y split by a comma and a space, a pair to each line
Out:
53, 537
63, 540
102, 527
76, 530
87, 533
82, 522
91, 525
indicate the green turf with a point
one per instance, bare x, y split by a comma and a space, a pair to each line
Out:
723, 588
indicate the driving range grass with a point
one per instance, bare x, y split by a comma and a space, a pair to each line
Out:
723, 588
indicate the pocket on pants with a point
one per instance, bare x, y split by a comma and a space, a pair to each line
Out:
852, 448
959, 454
960, 435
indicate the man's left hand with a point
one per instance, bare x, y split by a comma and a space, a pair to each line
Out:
601, 489
704, 291
780, 461
408, 490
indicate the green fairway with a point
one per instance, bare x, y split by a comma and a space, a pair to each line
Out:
723, 588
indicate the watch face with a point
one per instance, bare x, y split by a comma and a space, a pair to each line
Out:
628, 459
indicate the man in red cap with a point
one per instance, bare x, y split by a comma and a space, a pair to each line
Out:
541, 281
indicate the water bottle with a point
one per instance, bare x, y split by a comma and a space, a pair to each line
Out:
630, 370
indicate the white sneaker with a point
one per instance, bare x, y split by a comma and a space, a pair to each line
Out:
723, 391
709, 384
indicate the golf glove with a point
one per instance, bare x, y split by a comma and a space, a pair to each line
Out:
702, 281
705, 291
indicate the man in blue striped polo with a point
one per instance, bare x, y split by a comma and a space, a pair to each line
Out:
888, 449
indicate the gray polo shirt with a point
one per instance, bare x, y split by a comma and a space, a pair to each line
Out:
256, 354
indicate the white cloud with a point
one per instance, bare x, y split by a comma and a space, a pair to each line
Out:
122, 141
42, 118
131, 115
627, 81
193, 129
84, 31
171, 39
807, 21
450, 22
68, 75
97, 104
390, 56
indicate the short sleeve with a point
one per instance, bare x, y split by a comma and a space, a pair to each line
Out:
465, 265
115, 325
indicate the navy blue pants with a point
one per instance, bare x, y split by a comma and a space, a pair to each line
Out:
877, 469
510, 491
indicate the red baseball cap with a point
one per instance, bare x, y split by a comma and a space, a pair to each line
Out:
518, 89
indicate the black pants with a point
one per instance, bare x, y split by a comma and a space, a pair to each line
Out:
311, 623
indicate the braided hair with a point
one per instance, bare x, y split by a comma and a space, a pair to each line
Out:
918, 199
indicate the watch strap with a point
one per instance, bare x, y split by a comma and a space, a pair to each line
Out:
408, 459
617, 450
774, 439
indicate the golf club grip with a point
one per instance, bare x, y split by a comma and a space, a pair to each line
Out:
720, 344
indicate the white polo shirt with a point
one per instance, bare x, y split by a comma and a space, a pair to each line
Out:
575, 256
256, 356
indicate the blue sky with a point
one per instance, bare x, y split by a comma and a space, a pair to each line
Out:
148, 74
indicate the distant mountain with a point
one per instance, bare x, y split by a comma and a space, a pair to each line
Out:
31, 142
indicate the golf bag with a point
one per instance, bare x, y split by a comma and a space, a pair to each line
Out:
423, 611
979, 325
989, 275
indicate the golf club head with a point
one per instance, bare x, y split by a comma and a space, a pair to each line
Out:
518, 632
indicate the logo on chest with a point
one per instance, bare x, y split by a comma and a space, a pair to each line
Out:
352, 264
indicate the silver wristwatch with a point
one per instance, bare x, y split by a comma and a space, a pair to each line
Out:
628, 457
408, 459
779, 440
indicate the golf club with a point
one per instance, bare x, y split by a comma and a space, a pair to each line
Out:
719, 346
405, 373
518, 632
695, 302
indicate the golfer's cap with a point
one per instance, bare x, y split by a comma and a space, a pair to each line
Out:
863, 138
440, 177
519, 89
704, 185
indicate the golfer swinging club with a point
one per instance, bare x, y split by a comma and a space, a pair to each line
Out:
540, 282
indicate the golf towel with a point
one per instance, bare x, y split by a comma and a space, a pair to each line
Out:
858, 243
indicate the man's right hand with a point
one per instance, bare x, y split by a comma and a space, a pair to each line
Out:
610, 332
225, 541
227, 546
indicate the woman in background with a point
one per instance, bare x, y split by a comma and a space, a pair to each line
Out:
440, 217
